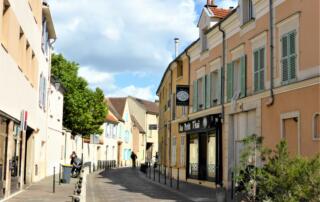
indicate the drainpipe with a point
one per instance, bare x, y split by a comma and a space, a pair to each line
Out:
223, 69
271, 100
189, 67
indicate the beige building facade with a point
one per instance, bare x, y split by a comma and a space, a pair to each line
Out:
26, 35
250, 73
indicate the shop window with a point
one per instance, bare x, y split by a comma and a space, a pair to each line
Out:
173, 151
193, 156
247, 11
288, 57
316, 127
259, 68
182, 150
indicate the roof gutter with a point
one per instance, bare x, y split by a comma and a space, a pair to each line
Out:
271, 100
223, 69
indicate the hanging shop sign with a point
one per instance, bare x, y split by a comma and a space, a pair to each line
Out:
202, 123
24, 120
182, 95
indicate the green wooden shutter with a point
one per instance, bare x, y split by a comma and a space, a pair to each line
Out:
262, 68
208, 91
229, 81
292, 53
218, 87
285, 65
203, 88
256, 70
195, 96
243, 75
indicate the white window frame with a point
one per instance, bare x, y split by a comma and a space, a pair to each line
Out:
285, 26
264, 68
291, 115
314, 138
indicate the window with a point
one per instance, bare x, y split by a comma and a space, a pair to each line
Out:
5, 23
236, 79
42, 92
288, 57
45, 37
247, 11
259, 66
179, 69
201, 83
173, 151
204, 40
316, 127
215, 87
182, 150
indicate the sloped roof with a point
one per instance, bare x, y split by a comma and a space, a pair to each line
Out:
150, 107
118, 104
113, 114
219, 12
136, 124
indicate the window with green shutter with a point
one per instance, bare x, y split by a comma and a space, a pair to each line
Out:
258, 69
215, 87
288, 57
195, 96
208, 91
229, 81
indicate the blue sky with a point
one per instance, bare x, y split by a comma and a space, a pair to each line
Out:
125, 47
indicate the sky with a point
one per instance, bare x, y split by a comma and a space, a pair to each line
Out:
124, 46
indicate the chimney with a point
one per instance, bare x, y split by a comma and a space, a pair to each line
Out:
176, 43
210, 2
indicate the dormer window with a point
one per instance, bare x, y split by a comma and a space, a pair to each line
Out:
204, 40
246, 10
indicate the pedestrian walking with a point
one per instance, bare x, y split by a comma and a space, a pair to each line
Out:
133, 158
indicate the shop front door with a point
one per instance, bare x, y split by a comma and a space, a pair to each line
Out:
202, 175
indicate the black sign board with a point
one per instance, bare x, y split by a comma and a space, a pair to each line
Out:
202, 123
182, 95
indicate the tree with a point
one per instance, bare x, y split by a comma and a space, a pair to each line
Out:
280, 177
84, 109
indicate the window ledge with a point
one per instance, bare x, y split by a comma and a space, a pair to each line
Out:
179, 78
247, 23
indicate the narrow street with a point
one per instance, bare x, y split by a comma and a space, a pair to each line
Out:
126, 184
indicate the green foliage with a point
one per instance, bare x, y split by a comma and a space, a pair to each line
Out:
280, 178
84, 109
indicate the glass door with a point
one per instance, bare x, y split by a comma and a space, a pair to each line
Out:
3, 153
193, 156
211, 156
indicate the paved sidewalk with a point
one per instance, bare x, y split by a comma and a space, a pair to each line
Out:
42, 191
191, 191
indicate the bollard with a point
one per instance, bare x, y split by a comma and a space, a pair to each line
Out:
178, 179
59, 174
54, 180
170, 176
154, 173
165, 175
159, 173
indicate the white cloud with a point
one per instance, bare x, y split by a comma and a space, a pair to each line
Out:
106, 81
123, 35
140, 92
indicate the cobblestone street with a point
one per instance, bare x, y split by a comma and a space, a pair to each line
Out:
126, 185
